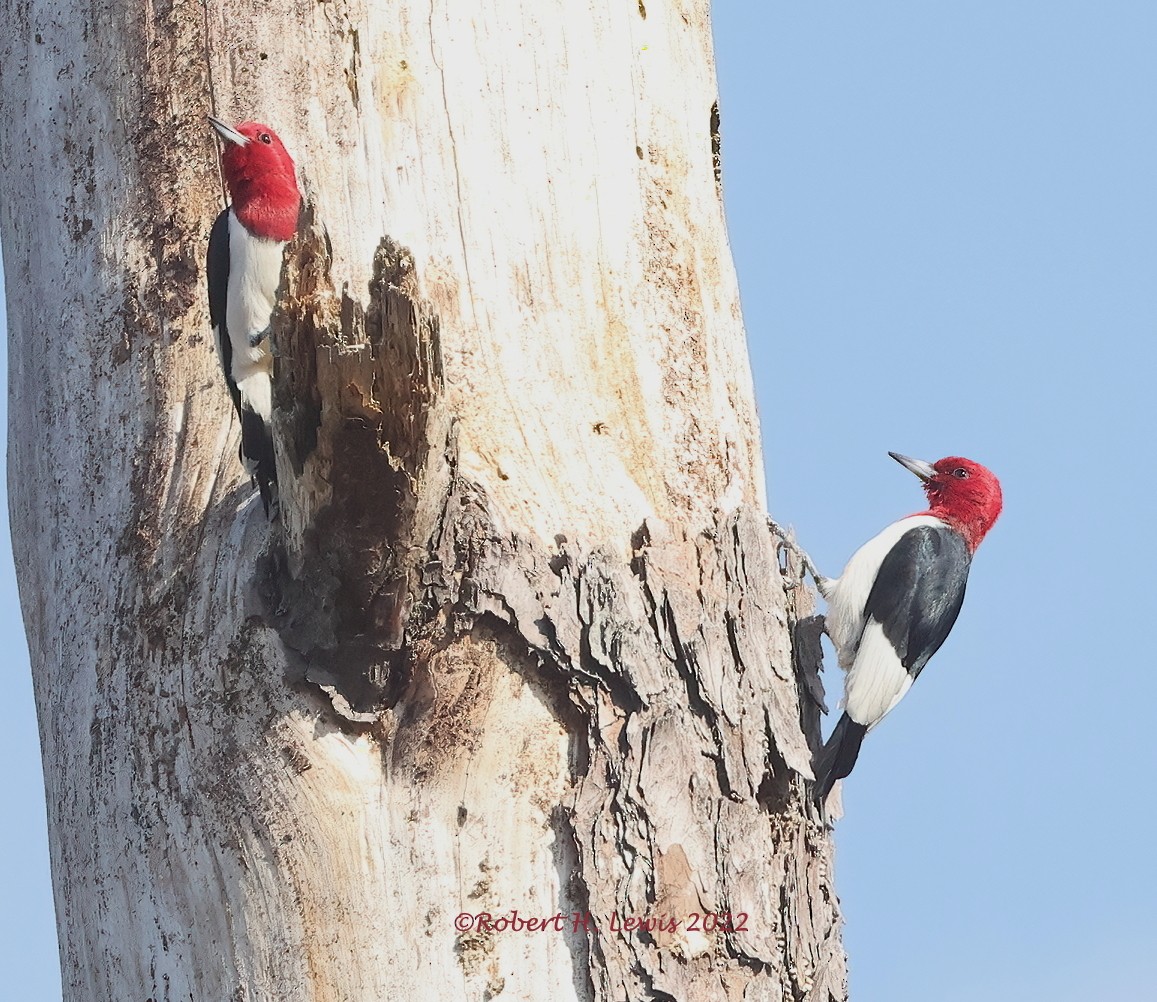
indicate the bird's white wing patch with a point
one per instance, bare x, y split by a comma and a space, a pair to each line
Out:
877, 680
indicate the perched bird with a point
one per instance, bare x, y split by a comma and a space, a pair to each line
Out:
244, 265
898, 598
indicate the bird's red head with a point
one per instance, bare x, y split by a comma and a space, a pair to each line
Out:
262, 184
964, 494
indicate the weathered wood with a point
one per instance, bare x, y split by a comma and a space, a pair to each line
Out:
519, 641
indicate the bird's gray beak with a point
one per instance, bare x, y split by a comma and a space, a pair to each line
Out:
923, 470
230, 135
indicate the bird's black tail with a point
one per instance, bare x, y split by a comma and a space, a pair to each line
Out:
257, 454
837, 757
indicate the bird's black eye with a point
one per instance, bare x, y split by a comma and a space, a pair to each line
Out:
264, 137
960, 473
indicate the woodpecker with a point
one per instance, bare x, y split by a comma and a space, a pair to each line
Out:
898, 598
246, 247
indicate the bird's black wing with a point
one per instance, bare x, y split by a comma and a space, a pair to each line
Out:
918, 592
217, 265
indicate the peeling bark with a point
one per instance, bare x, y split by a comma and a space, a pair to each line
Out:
519, 644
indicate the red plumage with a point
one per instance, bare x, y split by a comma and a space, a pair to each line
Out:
964, 494
262, 183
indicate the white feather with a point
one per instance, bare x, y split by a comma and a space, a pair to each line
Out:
254, 275
876, 679
257, 390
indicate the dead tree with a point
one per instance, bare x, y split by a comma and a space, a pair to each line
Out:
518, 644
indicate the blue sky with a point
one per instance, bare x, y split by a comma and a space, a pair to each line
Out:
945, 225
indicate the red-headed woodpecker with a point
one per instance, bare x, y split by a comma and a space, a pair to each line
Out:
245, 252
898, 598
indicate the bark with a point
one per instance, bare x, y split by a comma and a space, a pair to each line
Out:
519, 642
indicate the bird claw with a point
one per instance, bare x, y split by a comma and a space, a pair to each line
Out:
788, 544
256, 337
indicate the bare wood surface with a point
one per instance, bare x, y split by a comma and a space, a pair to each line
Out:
519, 640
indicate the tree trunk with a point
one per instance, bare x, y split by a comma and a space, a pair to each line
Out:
518, 645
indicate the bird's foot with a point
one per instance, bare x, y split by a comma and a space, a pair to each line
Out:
787, 544
257, 337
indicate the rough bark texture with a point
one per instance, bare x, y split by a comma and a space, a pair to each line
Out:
519, 642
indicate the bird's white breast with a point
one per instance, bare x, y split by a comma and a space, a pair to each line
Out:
254, 275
